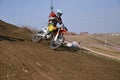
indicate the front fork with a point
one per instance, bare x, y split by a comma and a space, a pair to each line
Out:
57, 35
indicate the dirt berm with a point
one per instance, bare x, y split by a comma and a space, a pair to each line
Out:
20, 59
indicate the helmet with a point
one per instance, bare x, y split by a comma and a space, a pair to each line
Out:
59, 13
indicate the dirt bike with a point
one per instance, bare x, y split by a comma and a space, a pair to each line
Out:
58, 38
41, 35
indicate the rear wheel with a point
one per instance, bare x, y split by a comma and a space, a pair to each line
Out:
57, 43
36, 38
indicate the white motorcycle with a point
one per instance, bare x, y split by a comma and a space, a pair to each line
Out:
56, 37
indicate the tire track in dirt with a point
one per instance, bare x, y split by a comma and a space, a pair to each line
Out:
102, 54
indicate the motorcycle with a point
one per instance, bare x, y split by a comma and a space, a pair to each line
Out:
58, 38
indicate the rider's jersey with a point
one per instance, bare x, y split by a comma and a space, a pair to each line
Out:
53, 19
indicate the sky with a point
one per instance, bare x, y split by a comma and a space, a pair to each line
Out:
93, 16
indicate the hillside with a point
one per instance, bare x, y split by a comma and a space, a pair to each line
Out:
24, 60
8, 30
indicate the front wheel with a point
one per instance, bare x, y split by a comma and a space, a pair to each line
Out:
57, 43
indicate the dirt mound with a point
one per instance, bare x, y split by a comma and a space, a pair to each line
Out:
23, 33
6, 28
25, 60
12, 31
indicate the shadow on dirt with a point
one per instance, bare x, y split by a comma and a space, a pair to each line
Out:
61, 48
10, 38
65, 48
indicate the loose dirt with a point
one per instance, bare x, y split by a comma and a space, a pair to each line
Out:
25, 60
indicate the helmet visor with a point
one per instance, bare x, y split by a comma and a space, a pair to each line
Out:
59, 14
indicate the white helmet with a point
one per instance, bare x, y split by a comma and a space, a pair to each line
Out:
59, 13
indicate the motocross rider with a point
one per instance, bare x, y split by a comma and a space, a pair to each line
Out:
54, 19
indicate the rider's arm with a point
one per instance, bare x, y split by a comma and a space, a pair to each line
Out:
59, 20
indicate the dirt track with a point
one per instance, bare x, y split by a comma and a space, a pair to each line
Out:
33, 61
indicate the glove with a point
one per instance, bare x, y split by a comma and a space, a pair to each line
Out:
61, 25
